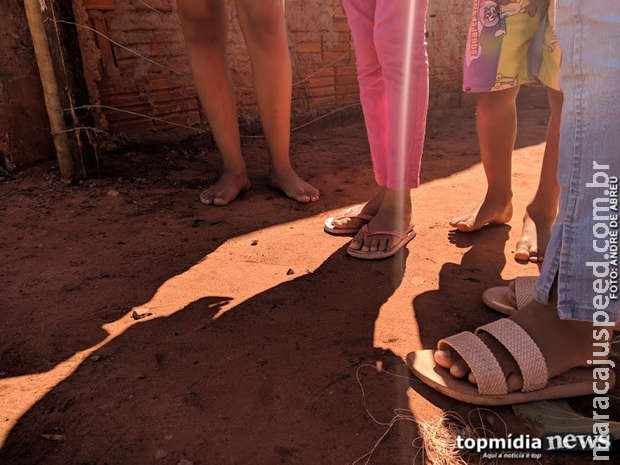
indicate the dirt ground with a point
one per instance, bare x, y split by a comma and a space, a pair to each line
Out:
141, 327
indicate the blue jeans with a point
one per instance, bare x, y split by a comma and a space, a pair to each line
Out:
582, 253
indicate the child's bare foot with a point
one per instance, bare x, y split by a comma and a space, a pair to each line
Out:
371, 208
393, 215
565, 344
226, 189
493, 210
293, 186
535, 235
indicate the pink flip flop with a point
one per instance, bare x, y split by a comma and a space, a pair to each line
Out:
402, 239
331, 228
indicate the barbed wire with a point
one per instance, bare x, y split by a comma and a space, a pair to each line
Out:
192, 128
343, 57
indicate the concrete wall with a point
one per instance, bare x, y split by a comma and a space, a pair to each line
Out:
320, 44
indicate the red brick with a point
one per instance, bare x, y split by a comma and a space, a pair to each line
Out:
321, 91
320, 81
309, 47
318, 102
99, 4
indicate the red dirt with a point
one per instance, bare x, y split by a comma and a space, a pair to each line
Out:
240, 362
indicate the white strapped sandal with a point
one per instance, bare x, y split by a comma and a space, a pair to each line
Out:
330, 228
491, 388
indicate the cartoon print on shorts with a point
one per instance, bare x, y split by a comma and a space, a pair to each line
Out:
495, 12
505, 82
492, 14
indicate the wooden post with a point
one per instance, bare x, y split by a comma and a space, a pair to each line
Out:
57, 50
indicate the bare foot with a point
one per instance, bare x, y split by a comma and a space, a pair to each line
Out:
371, 208
565, 344
535, 236
226, 189
293, 186
393, 215
493, 210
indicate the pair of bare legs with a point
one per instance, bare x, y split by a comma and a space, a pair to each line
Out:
264, 28
497, 130
391, 211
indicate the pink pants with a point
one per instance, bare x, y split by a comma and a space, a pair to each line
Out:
392, 69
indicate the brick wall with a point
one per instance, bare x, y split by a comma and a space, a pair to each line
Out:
321, 48
24, 128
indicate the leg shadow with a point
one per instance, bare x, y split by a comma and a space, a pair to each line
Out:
271, 380
458, 298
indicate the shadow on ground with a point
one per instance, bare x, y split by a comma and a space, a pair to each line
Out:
269, 381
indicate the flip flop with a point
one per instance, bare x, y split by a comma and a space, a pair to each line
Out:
497, 297
492, 388
402, 239
331, 228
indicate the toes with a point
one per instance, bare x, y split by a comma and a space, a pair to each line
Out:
514, 382
383, 245
443, 358
374, 244
465, 225
459, 368
537, 257
451, 361
302, 198
314, 193
206, 197
454, 221
299, 190
357, 241
523, 252
220, 201
367, 243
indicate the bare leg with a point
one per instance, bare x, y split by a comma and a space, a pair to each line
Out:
541, 212
370, 208
497, 131
264, 27
204, 26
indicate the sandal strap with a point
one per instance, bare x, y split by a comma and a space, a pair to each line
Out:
524, 290
523, 349
389, 233
480, 360
359, 216
350, 213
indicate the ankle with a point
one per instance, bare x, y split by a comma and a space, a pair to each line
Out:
238, 172
499, 196
280, 170
543, 208
397, 200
